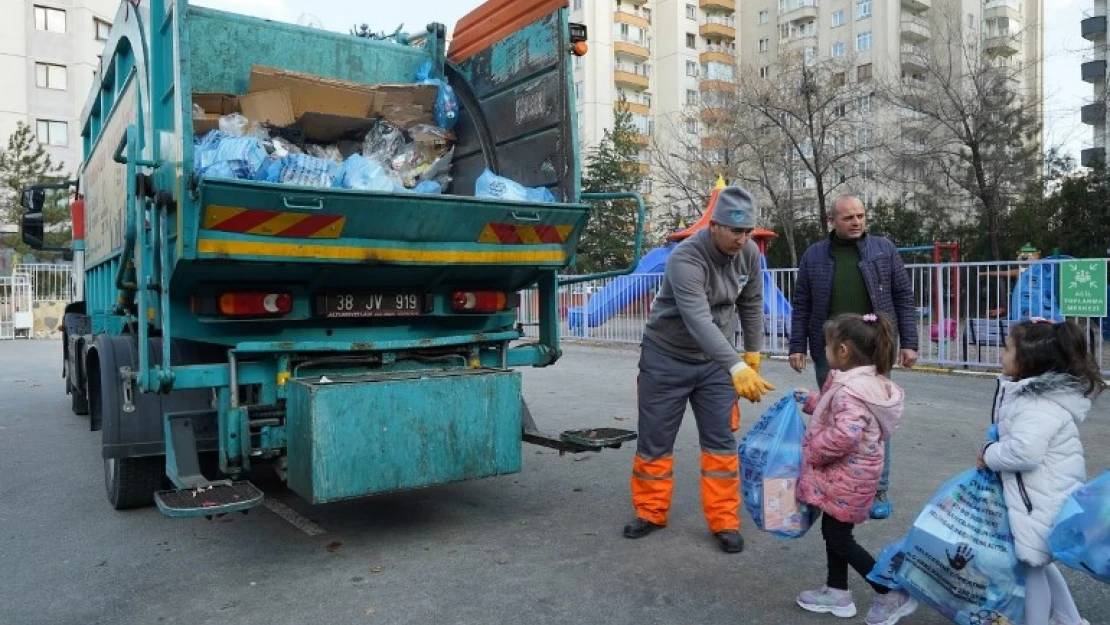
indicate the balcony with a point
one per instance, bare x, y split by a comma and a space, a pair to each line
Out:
1003, 43
794, 12
799, 40
630, 79
1094, 71
1093, 114
636, 108
637, 2
1009, 9
728, 6
917, 5
914, 60
723, 27
723, 86
1093, 27
718, 55
631, 49
641, 20
915, 29
641, 139
714, 114
1089, 156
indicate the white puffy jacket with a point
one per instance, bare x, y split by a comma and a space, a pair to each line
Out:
1038, 454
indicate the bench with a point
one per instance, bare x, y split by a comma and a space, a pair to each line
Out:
985, 332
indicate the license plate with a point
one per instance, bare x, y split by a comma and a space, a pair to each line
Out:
354, 304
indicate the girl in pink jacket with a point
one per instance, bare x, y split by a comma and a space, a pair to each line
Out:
842, 458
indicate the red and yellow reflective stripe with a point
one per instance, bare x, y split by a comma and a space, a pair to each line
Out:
511, 234
273, 223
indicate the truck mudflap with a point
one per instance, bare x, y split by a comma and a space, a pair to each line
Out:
260, 221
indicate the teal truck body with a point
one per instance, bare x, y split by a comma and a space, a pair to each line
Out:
418, 387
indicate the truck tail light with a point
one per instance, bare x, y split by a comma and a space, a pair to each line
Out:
479, 301
255, 304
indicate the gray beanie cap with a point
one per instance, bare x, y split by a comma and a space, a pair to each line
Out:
735, 208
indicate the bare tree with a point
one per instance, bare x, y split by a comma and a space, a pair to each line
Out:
793, 135
970, 125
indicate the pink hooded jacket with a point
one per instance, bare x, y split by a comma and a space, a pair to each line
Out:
842, 452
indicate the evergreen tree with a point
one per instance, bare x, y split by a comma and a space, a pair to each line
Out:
22, 163
607, 243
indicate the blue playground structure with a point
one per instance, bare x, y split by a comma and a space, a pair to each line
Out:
1034, 295
645, 280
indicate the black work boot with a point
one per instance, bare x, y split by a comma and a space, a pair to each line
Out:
730, 541
639, 528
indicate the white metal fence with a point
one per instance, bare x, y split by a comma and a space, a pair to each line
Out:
963, 311
31, 283
16, 307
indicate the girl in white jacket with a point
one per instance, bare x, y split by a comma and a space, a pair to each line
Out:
1049, 378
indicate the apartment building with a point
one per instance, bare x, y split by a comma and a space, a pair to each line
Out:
49, 51
654, 54
1094, 71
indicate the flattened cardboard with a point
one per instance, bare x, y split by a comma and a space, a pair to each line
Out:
325, 128
273, 106
313, 93
215, 106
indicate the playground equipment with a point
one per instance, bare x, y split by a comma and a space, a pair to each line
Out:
940, 313
648, 276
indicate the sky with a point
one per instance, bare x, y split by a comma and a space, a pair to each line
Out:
1064, 90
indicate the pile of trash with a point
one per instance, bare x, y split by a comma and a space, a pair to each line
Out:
388, 158
298, 129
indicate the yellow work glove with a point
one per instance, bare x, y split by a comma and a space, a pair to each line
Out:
748, 383
752, 360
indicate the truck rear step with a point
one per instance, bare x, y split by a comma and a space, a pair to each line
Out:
217, 498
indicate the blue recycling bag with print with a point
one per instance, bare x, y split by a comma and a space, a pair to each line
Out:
770, 465
1080, 537
959, 555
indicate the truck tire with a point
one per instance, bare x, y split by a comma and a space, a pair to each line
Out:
132, 482
78, 403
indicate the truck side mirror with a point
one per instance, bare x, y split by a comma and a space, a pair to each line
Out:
33, 199
31, 227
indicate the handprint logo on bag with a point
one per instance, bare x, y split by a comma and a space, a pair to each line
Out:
962, 558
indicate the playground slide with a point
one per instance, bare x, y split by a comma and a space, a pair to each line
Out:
623, 290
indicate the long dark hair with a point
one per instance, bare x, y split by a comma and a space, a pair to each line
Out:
1043, 346
870, 339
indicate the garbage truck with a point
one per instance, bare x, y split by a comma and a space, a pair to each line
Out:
356, 341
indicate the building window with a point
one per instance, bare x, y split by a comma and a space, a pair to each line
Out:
578, 92
809, 54
691, 41
765, 71
838, 18
52, 133
782, 6
764, 17
579, 62
865, 104
692, 126
764, 44
838, 48
863, 9
863, 72
50, 76
691, 12
691, 97
102, 29
50, 20
578, 4
838, 79
863, 42
971, 20
691, 68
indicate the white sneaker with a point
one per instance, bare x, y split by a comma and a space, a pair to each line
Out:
827, 600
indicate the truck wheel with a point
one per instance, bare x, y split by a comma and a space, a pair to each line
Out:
132, 482
78, 403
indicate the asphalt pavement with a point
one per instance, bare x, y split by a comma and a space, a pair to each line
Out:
540, 547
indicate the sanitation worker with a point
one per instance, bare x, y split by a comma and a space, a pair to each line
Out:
688, 355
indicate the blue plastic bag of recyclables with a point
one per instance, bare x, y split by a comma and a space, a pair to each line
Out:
959, 555
1080, 537
770, 465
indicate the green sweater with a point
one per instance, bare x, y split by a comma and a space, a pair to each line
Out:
849, 291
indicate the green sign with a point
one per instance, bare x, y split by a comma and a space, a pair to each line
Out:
1083, 288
